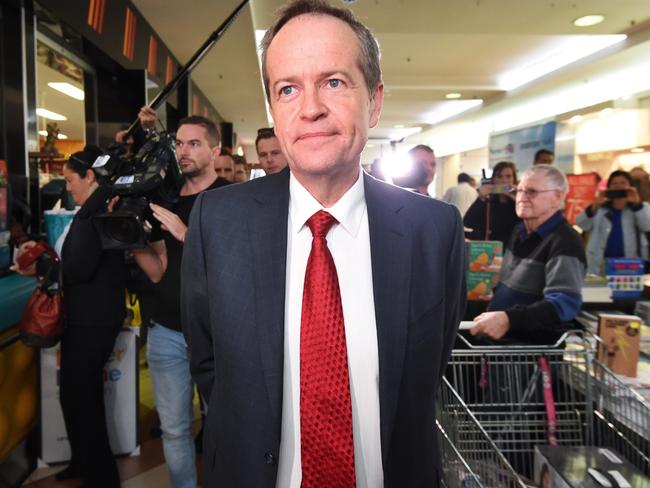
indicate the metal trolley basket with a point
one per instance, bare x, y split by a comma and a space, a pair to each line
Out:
498, 402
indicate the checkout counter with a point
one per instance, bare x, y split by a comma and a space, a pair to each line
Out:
18, 381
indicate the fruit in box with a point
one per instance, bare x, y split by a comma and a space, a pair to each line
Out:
484, 255
480, 285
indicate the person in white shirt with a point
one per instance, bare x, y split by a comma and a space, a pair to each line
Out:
463, 195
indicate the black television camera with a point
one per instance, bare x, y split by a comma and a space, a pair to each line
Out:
151, 175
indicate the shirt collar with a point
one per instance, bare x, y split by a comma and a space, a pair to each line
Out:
546, 228
348, 211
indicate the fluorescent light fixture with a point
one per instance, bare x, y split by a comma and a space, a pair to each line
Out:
571, 50
588, 20
398, 126
68, 89
637, 150
42, 133
446, 110
61, 136
370, 146
47, 114
452, 96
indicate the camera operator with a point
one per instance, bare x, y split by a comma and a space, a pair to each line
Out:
492, 216
618, 221
197, 147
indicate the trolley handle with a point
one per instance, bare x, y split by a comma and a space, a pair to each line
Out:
544, 347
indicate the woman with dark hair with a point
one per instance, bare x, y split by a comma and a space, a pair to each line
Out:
492, 216
617, 221
93, 288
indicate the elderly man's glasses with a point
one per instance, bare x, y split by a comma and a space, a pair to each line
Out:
530, 193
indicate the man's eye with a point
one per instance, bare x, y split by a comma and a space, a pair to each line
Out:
286, 90
334, 83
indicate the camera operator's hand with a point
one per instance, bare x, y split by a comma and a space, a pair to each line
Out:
633, 197
485, 190
147, 117
29, 270
111, 204
170, 222
598, 201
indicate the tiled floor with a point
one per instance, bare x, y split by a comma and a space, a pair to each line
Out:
146, 470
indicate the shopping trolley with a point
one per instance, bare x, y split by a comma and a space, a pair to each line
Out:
498, 402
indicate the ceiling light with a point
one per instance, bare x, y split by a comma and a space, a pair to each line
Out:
606, 111
575, 119
370, 146
61, 136
452, 96
398, 126
47, 114
588, 20
42, 133
68, 89
637, 150
564, 53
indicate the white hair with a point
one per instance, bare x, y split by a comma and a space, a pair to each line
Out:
551, 174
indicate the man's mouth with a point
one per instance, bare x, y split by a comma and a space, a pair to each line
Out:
314, 135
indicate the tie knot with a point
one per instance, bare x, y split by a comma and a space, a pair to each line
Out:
320, 223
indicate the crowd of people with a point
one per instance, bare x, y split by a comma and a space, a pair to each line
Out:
238, 300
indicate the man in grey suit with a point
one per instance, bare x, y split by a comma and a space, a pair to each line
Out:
319, 304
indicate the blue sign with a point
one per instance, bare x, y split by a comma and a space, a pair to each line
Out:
520, 146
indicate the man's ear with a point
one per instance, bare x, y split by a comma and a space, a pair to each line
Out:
216, 150
376, 103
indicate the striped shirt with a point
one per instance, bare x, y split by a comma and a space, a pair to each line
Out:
541, 281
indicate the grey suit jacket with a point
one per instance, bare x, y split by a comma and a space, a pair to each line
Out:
233, 293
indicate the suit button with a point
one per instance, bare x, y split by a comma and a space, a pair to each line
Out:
270, 459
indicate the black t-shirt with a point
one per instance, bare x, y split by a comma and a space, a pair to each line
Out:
166, 302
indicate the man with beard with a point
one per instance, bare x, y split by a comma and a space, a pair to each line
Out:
197, 147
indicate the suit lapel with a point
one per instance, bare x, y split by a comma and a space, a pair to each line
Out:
390, 248
268, 231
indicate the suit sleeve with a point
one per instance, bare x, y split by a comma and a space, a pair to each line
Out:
195, 313
455, 286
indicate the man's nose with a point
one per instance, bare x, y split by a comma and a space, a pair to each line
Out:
312, 107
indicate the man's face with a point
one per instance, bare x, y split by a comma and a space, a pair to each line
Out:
240, 173
193, 150
539, 203
427, 161
224, 166
318, 96
545, 158
270, 155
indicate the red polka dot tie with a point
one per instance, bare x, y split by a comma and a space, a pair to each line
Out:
326, 443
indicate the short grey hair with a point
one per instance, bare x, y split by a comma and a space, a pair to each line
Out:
369, 53
551, 174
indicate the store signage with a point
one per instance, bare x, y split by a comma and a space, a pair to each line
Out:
120, 398
519, 146
582, 191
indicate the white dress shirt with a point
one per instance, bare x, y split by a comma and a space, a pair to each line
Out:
461, 196
349, 243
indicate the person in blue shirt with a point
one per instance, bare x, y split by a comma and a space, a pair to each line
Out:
617, 226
